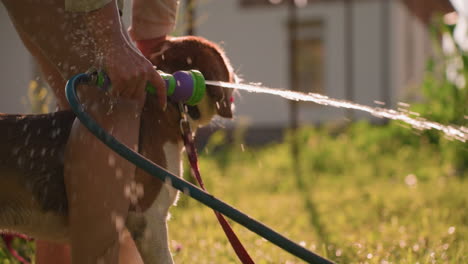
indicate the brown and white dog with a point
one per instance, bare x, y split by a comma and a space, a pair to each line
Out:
33, 200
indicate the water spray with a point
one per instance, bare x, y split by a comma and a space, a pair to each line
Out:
453, 132
189, 87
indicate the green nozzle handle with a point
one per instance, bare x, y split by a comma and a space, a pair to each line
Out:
182, 86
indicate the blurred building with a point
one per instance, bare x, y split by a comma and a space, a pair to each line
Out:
366, 51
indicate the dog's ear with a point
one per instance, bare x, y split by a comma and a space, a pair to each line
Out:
186, 53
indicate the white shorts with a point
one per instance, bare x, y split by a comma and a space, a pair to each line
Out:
150, 18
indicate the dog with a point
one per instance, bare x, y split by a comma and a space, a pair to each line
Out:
33, 199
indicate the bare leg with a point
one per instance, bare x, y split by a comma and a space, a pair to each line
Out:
52, 253
96, 193
96, 198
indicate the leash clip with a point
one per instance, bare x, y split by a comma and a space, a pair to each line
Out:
184, 124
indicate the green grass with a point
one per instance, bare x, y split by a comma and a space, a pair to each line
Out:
368, 195
347, 199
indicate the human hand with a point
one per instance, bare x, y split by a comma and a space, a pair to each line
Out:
128, 70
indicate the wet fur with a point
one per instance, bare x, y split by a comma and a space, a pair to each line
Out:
32, 197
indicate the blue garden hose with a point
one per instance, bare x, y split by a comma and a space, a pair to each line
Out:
180, 184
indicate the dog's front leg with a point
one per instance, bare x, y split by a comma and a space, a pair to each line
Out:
149, 230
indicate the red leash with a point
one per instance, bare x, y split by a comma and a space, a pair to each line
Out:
241, 253
8, 238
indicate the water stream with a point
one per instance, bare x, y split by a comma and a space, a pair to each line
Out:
451, 131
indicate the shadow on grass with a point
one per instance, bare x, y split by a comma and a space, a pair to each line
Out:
304, 189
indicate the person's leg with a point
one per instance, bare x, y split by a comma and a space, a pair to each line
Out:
98, 207
96, 198
50, 252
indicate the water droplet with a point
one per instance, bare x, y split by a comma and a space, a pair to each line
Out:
140, 191
127, 191
402, 243
406, 105
276, 2
26, 141
118, 173
111, 160
168, 181
16, 150
451, 230
119, 222
411, 180
111, 108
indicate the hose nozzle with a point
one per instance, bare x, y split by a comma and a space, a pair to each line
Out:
186, 87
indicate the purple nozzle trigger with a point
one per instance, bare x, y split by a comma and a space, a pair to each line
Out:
184, 86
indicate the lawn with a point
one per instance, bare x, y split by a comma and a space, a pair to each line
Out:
364, 195
347, 199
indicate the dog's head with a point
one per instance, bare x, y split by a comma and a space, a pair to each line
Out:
187, 53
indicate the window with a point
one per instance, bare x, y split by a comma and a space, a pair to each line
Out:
310, 52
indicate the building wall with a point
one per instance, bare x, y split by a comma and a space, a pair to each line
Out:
16, 69
411, 46
256, 40
369, 54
